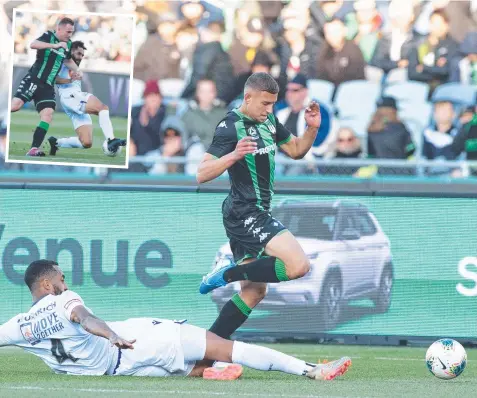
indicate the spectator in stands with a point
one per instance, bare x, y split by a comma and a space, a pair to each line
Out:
393, 49
340, 60
270, 10
212, 62
388, 137
147, 120
462, 18
466, 115
192, 11
203, 113
158, 57
297, 53
187, 38
346, 146
466, 140
430, 60
438, 138
246, 43
261, 63
364, 27
175, 136
464, 68
323, 11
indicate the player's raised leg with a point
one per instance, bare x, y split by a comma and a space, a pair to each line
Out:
250, 355
96, 107
286, 261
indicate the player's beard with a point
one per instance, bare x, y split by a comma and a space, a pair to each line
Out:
56, 290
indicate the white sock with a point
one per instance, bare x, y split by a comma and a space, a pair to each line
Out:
71, 142
105, 124
262, 358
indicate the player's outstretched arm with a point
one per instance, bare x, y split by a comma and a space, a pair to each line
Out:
98, 327
41, 45
70, 64
211, 167
298, 147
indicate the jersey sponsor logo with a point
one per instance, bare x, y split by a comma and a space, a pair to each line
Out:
39, 311
35, 331
27, 333
265, 151
252, 132
223, 124
61, 53
270, 126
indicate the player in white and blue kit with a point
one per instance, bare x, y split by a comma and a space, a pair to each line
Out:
65, 334
79, 105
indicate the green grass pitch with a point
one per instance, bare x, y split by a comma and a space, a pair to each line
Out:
24, 122
376, 372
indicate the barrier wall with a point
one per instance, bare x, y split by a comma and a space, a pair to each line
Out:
143, 253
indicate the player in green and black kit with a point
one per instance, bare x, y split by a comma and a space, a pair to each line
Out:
264, 251
53, 49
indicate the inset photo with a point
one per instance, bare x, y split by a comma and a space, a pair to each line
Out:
69, 88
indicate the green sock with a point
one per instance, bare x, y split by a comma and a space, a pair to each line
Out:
265, 269
39, 134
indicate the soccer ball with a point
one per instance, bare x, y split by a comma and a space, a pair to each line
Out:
107, 152
446, 358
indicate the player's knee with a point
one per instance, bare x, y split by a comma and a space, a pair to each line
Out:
86, 142
299, 269
104, 107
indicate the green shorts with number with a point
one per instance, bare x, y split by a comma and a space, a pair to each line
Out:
41, 93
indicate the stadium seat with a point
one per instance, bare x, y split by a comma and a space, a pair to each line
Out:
457, 93
137, 91
321, 90
398, 75
171, 88
373, 74
408, 93
355, 103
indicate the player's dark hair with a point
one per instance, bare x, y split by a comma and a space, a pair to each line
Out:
77, 44
66, 21
262, 81
37, 270
442, 14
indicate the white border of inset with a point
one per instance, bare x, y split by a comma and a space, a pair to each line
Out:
10, 88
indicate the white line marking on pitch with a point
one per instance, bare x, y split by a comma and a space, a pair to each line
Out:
172, 392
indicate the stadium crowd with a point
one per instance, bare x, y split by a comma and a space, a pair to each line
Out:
395, 79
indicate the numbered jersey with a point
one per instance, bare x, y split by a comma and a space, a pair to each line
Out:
47, 331
67, 89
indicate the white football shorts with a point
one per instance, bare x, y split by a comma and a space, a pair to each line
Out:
74, 105
163, 347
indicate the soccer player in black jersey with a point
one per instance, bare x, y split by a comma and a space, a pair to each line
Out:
53, 49
264, 251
